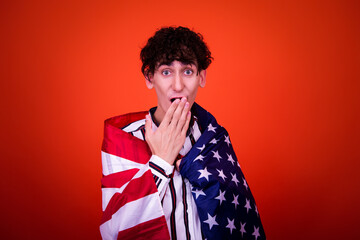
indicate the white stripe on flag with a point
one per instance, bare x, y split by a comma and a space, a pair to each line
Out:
112, 163
107, 193
132, 214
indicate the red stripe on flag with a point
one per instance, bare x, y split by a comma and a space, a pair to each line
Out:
116, 180
153, 229
123, 144
136, 189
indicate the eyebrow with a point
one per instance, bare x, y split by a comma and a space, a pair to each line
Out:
182, 63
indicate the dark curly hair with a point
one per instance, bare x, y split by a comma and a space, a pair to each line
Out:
174, 43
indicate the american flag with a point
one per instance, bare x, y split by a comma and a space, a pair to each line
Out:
132, 207
226, 207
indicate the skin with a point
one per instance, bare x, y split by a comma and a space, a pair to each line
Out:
180, 81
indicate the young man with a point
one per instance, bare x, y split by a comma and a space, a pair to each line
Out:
172, 172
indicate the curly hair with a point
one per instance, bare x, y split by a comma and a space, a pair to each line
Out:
174, 43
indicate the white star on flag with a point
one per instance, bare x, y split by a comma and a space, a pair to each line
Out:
234, 179
211, 221
214, 141
247, 205
235, 200
216, 155
242, 229
227, 140
256, 232
211, 128
198, 193
221, 196
230, 159
245, 184
201, 148
221, 174
230, 225
204, 173
200, 157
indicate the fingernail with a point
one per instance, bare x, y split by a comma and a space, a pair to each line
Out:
177, 101
186, 104
183, 99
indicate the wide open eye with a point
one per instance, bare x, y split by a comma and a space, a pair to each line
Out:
188, 72
165, 72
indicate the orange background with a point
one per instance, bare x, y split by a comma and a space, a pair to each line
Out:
285, 83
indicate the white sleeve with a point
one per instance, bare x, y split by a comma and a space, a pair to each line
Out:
162, 172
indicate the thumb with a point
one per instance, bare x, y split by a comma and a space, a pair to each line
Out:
177, 164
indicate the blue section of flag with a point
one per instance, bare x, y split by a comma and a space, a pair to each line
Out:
226, 207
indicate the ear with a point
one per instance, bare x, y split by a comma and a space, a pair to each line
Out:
202, 76
149, 81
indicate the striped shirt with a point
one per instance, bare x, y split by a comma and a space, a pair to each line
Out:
174, 190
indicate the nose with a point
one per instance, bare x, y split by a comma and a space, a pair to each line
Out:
178, 83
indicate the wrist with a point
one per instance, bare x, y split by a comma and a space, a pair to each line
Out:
168, 168
169, 159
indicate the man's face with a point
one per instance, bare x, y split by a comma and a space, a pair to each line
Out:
173, 81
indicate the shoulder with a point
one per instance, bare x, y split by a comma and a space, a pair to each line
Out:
126, 125
126, 120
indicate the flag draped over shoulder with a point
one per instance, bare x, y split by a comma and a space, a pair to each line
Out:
226, 207
131, 203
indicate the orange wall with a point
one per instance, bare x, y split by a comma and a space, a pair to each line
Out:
285, 83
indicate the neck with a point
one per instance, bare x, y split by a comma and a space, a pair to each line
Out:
158, 116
